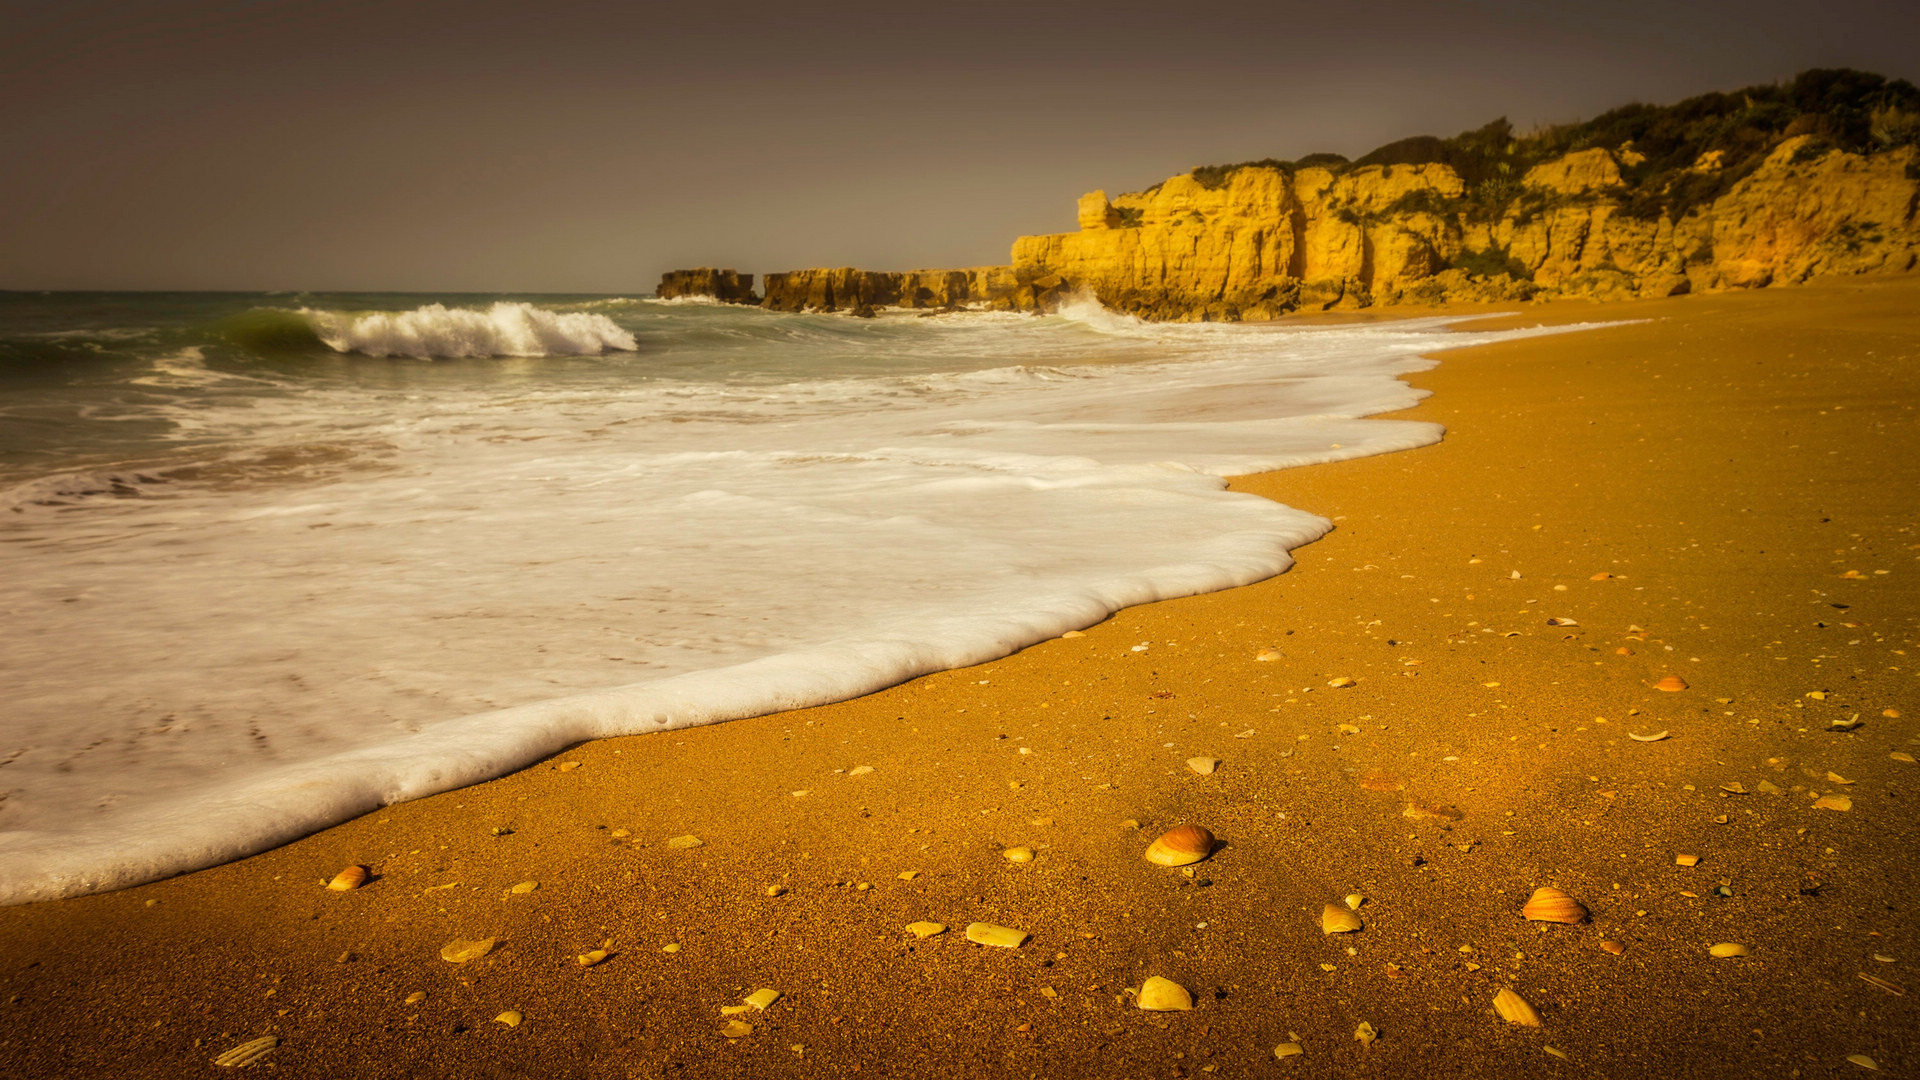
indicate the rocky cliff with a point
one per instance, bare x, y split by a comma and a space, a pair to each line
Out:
724, 285
1769, 185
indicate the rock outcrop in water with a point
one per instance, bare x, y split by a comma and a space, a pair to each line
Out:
1771, 185
725, 285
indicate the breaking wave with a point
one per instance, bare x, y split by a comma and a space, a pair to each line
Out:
436, 331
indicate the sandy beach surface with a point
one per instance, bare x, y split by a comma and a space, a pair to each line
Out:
1726, 491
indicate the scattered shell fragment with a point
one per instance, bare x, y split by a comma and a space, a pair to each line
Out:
1891, 714
926, 929
1269, 655
1864, 1061
1817, 695
1655, 737
1181, 846
1203, 765
1687, 860
1287, 1050
568, 766
670, 947
510, 1018
1556, 621
1613, 947
1848, 724
682, 843
1364, 1034
1883, 958
1514, 1009
1601, 576
1021, 854
415, 998
460, 950
1735, 788
1340, 682
1335, 919
1001, 937
248, 1052
1073, 634
1833, 802
591, 957
524, 888
1549, 904
1354, 900
776, 890
1349, 729
860, 770
762, 998
737, 1029
909, 875
349, 879
1727, 950
1901, 755
1836, 778
1892, 988
1671, 683
1163, 995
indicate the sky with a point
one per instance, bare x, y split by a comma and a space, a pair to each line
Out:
589, 146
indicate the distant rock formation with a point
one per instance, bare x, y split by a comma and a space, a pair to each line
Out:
1770, 185
714, 284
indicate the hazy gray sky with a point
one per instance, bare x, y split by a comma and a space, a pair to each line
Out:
587, 146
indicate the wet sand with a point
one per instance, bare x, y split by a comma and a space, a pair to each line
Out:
1743, 466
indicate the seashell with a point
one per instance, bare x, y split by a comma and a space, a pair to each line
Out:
1562, 622
1340, 682
460, 950
1817, 695
1203, 765
1000, 937
1270, 655
1073, 634
908, 875
568, 766
248, 1052
1671, 683
1863, 1061
670, 947
415, 998
1365, 1034
1891, 714
1601, 576
1687, 860
737, 1029
1901, 755
510, 1018
1729, 949
1844, 725
1287, 1050
1549, 904
524, 888
926, 929
1164, 995
1613, 947
1836, 778
1335, 919
682, 843
590, 958
760, 999
1514, 1009
1655, 737
1354, 900
1874, 980
860, 770
1833, 802
1181, 845
1022, 854
349, 879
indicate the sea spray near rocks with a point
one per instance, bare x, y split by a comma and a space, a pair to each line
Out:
751, 512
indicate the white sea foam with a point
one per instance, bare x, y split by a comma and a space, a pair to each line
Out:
439, 332
484, 574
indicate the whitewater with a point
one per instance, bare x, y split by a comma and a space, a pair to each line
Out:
268, 563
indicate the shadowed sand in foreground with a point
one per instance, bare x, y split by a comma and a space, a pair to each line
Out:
1723, 492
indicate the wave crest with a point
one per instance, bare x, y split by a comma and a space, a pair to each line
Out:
436, 331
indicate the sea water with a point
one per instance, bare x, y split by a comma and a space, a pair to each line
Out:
269, 562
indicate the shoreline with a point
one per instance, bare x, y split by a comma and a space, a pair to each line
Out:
1566, 456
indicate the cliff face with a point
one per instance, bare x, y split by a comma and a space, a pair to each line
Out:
1772, 184
1269, 240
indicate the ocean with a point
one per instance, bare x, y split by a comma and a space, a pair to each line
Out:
270, 561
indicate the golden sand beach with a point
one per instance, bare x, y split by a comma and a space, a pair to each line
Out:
1442, 708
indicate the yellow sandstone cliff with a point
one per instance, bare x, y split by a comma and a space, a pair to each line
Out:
1268, 240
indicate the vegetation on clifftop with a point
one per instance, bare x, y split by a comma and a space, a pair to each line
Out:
1672, 158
